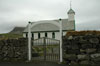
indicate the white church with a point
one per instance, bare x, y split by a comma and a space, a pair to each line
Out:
49, 28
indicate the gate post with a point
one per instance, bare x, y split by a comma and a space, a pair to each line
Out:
61, 58
29, 41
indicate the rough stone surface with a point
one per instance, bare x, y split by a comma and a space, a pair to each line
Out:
82, 57
82, 47
13, 49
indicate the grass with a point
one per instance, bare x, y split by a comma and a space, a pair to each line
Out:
10, 36
70, 33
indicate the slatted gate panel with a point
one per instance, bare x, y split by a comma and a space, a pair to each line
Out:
46, 49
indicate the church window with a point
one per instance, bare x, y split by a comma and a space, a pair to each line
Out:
53, 35
38, 35
45, 34
32, 35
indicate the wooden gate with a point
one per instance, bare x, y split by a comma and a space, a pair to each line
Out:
46, 49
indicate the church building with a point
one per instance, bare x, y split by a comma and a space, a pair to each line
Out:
49, 29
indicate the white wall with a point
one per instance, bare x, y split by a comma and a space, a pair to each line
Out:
49, 35
35, 35
57, 35
24, 35
64, 33
42, 34
71, 17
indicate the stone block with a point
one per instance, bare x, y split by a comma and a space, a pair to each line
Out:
86, 46
94, 40
85, 62
73, 51
70, 37
83, 57
97, 59
95, 55
70, 56
82, 51
75, 47
91, 50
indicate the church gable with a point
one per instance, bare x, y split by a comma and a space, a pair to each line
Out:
48, 27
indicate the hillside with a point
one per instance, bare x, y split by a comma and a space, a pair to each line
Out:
17, 30
8, 35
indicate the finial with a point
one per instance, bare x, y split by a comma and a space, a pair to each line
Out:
29, 22
60, 19
70, 4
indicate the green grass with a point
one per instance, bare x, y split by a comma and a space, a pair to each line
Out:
8, 35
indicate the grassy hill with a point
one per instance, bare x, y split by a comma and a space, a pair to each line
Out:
17, 30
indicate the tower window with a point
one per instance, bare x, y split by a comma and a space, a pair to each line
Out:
53, 35
45, 34
38, 35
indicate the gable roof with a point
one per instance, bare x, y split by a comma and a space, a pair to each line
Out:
51, 27
71, 11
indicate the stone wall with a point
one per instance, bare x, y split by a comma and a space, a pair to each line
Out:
13, 49
82, 47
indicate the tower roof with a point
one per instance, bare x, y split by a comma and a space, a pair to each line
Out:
71, 11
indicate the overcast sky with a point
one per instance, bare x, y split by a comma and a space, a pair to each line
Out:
19, 12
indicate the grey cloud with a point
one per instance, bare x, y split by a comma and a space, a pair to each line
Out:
19, 12
90, 25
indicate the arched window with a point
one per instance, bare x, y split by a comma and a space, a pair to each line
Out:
53, 35
32, 35
38, 35
46, 35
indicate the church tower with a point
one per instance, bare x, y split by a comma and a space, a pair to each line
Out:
71, 14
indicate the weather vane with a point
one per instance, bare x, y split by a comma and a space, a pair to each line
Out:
70, 4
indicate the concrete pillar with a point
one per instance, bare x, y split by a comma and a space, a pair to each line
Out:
29, 41
61, 58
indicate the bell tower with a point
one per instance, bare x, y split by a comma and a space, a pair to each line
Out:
71, 13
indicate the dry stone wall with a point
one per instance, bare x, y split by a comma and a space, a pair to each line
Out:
81, 48
13, 49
